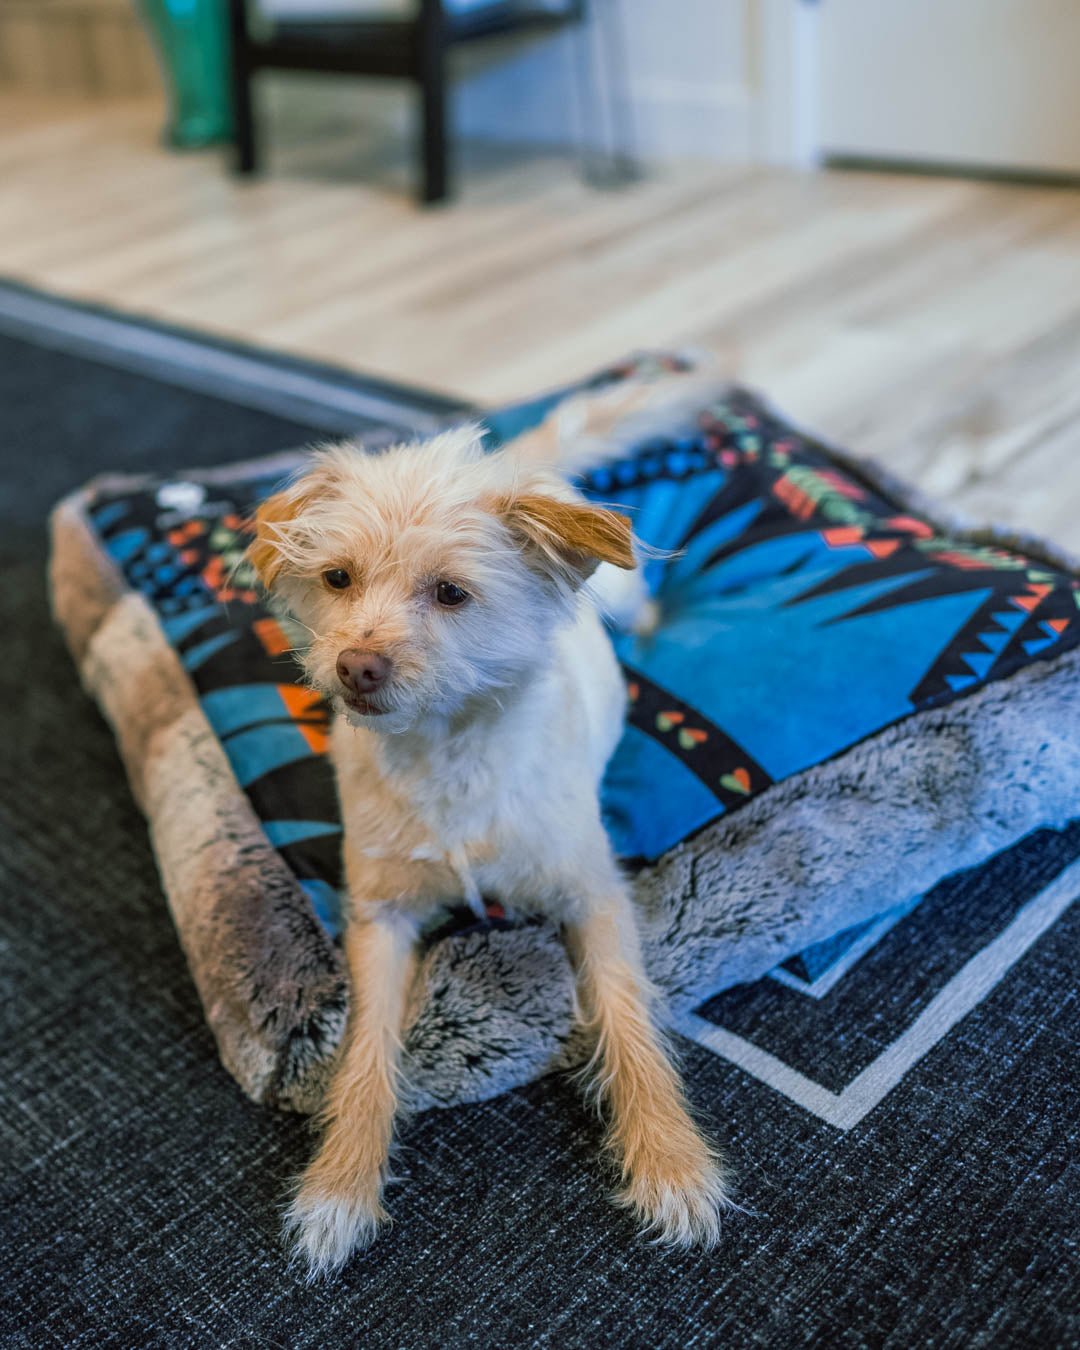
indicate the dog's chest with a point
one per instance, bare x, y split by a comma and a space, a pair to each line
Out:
481, 798
490, 813
506, 806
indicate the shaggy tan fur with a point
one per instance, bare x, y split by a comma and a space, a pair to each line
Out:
449, 582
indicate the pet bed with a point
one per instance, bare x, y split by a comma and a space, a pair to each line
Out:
847, 699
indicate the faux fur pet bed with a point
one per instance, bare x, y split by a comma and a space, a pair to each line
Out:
847, 699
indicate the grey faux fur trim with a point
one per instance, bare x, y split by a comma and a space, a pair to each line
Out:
270, 980
935, 793
880, 824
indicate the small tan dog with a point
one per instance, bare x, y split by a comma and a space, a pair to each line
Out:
477, 701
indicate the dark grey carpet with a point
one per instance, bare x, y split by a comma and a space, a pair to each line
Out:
140, 1193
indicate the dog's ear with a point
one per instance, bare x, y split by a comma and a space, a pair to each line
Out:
574, 537
268, 553
263, 553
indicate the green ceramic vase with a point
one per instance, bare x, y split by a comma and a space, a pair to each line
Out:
191, 40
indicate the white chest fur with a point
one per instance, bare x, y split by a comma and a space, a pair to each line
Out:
507, 799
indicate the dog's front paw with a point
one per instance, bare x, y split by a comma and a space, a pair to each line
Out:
679, 1202
325, 1228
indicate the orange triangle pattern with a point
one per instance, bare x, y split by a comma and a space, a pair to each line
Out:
304, 706
843, 534
1032, 601
272, 636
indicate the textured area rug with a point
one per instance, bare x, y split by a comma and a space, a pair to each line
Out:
898, 1104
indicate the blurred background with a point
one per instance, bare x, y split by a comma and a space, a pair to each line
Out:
868, 208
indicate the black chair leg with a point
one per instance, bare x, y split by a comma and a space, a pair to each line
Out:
245, 158
435, 185
245, 161
431, 75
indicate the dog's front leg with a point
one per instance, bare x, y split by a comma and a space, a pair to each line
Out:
670, 1176
338, 1206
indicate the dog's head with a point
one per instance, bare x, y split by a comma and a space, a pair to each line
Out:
429, 575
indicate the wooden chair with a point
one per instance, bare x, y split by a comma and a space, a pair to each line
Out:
410, 48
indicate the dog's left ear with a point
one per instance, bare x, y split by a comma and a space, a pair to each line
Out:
574, 537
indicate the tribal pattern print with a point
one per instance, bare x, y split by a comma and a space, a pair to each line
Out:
801, 612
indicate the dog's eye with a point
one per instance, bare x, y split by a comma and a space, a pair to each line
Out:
450, 595
337, 579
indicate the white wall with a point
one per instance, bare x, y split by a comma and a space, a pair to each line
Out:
691, 79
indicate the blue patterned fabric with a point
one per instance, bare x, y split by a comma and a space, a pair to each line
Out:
802, 611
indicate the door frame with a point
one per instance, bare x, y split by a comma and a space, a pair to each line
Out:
786, 67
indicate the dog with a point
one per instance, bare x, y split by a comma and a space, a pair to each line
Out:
476, 700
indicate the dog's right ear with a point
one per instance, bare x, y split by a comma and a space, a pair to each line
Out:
273, 517
263, 553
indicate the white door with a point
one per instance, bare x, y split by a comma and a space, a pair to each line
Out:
991, 84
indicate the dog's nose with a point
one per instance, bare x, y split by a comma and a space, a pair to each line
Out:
362, 672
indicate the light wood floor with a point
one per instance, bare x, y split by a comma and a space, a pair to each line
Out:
932, 323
